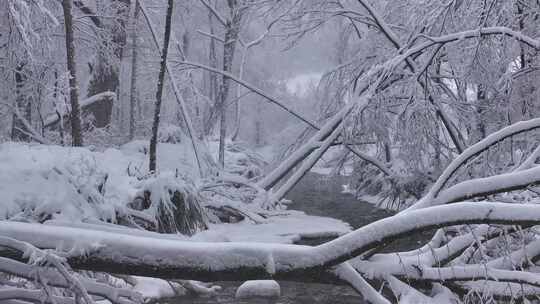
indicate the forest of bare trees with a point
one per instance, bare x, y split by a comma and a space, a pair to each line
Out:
147, 142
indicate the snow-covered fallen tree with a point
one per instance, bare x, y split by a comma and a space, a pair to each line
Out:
173, 259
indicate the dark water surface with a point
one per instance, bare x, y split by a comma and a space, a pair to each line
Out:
315, 195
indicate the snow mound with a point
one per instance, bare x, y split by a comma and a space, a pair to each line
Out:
258, 289
39, 183
153, 289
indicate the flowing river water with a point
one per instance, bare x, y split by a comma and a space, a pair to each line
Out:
315, 195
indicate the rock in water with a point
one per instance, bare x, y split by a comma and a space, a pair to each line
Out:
258, 289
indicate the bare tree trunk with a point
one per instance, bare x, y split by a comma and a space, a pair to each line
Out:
60, 115
522, 55
231, 35
387, 152
134, 63
522, 58
212, 90
18, 129
75, 118
258, 125
237, 110
159, 92
481, 108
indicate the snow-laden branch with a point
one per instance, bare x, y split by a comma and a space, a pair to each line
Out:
167, 259
368, 84
441, 40
307, 164
476, 272
430, 198
386, 30
372, 160
55, 279
487, 31
488, 186
50, 269
104, 96
214, 12
434, 256
32, 296
470, 34
252, 88
346, 272
273, 177
455, 135
275, 101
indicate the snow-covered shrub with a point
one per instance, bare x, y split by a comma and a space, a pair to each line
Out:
241, 160
173, 202
40, 183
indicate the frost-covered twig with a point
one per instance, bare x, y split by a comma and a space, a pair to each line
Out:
54, 278
33, 296
38, 258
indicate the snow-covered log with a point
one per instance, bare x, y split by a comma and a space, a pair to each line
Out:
124, 254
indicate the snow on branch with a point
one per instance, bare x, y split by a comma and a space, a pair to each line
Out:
167, 259
55, 279
252, 88
49, 269
469, 153
488, 186
104, 96
291, 111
